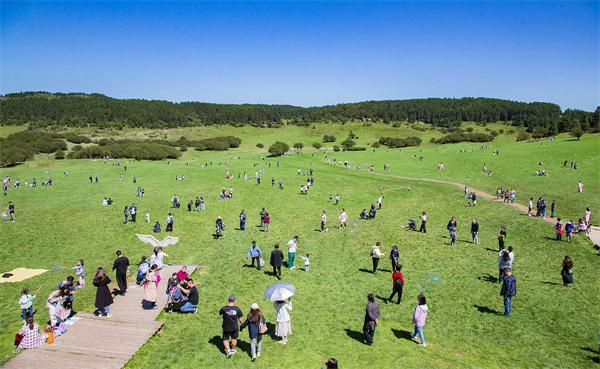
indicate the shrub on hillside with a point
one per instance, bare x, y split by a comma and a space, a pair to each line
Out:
464, 137
328, 138
348, 143
128, 149
336, 148
298, 145
19, 147
376, 144
77, 139
259, 145
523, 136
394, 142
355, 148
317, 145
278, 148
59, 155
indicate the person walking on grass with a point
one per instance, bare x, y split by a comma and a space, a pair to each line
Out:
475, 231
257, 324
292, 246
394, 256
283, 327
501, 238
567, 271
530, 206
267, 222
452, 224
125, 214
376, 254
276, 261
232, 316
419, 317
423, 227
120, 266
170, 222
11, 211
323, 222
397, 284
343, 218
371, 321
243, 220
103, 297
508, 290
255, 253
553, 209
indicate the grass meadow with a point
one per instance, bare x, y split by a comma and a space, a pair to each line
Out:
551, 326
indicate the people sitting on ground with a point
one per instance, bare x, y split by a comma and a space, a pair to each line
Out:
156, 228
191, 292
412, 224
105, 201
581, 226
303, 190
143, 268
57, 311
29, 335
363, 214
175, 202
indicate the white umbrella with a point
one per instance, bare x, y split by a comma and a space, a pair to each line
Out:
280, 291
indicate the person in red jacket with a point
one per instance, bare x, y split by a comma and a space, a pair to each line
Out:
398, 284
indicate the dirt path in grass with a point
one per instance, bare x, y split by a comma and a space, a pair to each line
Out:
594, 234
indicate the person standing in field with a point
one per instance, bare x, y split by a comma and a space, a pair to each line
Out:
262, 217
157, 258
147, 216
276, 261
80, 272
120, 266
323, 222
553, 209
255, 321
267, 222
103, 296
397, 284
255, 253
508, 290
376, 254
292, 246
452, 224
580, 187
170, 222
283, 327
530, 206
423, 227
567, 271
501, 238
243, 220
379, 201
588, 217
343, 218
125, 214
371, 321
419, 318
475, 231
11, 211
232, 316
394, 256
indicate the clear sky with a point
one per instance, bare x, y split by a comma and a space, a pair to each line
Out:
304, 53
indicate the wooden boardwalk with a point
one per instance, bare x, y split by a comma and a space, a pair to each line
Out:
101, 343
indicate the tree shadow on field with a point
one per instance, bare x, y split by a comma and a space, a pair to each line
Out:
596, 358
487, 310
355, 335
488, 278
403, 334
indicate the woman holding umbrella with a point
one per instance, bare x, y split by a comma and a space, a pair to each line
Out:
278, 293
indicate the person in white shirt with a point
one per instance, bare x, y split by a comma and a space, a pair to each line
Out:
379, 201
292, 246
323, 222
343, 218
306, 262
423, 223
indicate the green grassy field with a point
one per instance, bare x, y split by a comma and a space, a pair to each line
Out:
551, 326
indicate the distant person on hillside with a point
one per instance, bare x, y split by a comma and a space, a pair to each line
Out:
292, 246
371, 321
397, 284
567, 271
379, 202
588, 217
530, 206
243, 220
170, 222
232, 316
80, 272
255, 253
376, 254
125, 214
580, 187
394, 256
423, 227
262, 217
276, 261
156, 228
26, 303
501, 238
553, 209
267, 222
475, 231
147, 216
343, 219
219, 227
508, 290
452, 226
323, 222
419, 318
331, 363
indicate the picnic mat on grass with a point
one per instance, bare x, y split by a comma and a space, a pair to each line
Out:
20, 274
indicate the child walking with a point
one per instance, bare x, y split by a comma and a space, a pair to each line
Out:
306, 262
80, 272
419, 318
26, 303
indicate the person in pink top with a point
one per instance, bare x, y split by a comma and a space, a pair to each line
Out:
419, 318
182, 274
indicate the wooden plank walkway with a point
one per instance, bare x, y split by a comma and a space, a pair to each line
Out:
101, 343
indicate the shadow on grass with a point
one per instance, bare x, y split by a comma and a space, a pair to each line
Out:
403, 334
552, 283
242, 345
486, 310
271, 331
488, 278
355, 335
382, 298
492, 250
366, 270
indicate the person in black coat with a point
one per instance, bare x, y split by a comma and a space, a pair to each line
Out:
567, 271
276, 261
103, 297
371, 319
121, 265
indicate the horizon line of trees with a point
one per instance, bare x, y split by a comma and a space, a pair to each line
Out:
42, 109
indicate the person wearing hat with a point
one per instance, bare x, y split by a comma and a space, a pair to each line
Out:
231, 316
257, 325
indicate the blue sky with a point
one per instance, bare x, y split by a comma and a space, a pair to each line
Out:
304, 53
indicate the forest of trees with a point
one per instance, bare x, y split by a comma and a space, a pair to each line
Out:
40, 109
